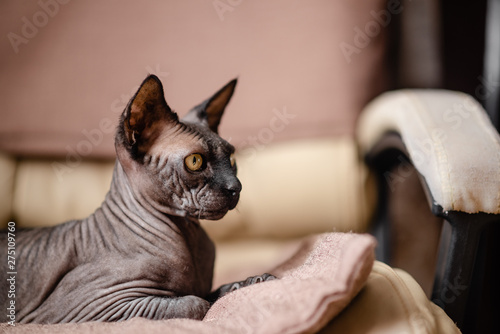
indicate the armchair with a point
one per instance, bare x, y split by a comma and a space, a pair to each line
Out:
302, 175
390, 300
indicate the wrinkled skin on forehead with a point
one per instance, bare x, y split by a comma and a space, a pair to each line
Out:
206, 194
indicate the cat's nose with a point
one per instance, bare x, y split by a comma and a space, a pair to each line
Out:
233, 187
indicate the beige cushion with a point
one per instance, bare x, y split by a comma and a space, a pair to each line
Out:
391, 302
450, 140
43, 197
298, 188
7, 178
289, 189
71, 76
238, 259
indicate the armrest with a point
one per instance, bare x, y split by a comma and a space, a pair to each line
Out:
449, 140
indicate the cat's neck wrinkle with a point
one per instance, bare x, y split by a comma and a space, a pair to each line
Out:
125, 208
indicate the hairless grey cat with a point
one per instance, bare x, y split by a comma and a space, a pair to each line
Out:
142, 253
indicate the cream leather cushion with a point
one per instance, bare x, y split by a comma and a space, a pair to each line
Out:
44, 197
7, 181
298, 188
391, 302
289, 190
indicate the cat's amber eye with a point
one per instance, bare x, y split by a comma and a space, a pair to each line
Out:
232, 160
194, 162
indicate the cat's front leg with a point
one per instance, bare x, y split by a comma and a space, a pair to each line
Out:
156, 308
227, 288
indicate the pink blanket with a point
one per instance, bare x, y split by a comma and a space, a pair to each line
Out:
313, 287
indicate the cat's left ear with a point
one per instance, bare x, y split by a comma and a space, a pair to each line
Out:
145, 116
210, 111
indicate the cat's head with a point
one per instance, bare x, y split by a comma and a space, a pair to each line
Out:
180, 166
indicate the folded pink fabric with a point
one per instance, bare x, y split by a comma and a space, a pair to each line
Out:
314, 286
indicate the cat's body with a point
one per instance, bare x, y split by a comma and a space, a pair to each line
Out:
143, 252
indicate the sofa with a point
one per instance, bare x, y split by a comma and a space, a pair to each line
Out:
300, 119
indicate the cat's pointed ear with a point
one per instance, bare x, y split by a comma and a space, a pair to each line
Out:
146, 115
210, 111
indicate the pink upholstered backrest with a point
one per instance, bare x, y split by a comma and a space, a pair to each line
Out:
305, 68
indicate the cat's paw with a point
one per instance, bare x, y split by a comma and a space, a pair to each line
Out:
249, 281
227, 288
253, 280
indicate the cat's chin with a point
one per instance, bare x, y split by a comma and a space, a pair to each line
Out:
209, 215
214, 216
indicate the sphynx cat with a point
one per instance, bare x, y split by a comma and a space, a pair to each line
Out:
142, 253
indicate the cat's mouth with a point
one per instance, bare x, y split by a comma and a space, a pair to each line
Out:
219, 210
